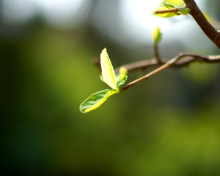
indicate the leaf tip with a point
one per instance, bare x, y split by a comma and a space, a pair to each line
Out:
104, 51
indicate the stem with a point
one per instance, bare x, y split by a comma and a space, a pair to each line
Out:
175, 62
167, 11
207, 28
188, 59
156, 53
172, 61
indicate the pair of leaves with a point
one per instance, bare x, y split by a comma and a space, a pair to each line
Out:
171, 9
109, 77
108, 74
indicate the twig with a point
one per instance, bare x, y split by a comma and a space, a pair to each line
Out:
174, 10
207, 28
175, 62
172, 61
156, 53
144, 64
188, 58
180, 60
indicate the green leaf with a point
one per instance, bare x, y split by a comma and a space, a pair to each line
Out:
108, 73
121, 77
157, 35
164, 15
109, 77
96, 100
184, 11
122, 81
169, 6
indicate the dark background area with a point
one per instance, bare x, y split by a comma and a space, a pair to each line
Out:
168, 125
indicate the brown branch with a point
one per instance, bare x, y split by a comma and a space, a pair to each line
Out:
207, 28
188, 58
169, 63
175, 62
180, 60
144, 64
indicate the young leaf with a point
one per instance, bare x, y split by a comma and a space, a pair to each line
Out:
184, 11
157, 35
122, 81
121, 77
108, 73
109, 77
169, 6
96, 99
164, 15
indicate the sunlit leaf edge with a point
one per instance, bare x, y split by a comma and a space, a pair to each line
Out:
176, 3
97, 99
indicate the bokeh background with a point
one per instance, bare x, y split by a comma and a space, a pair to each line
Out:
168, 125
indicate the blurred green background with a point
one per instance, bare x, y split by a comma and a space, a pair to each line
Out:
168, 125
